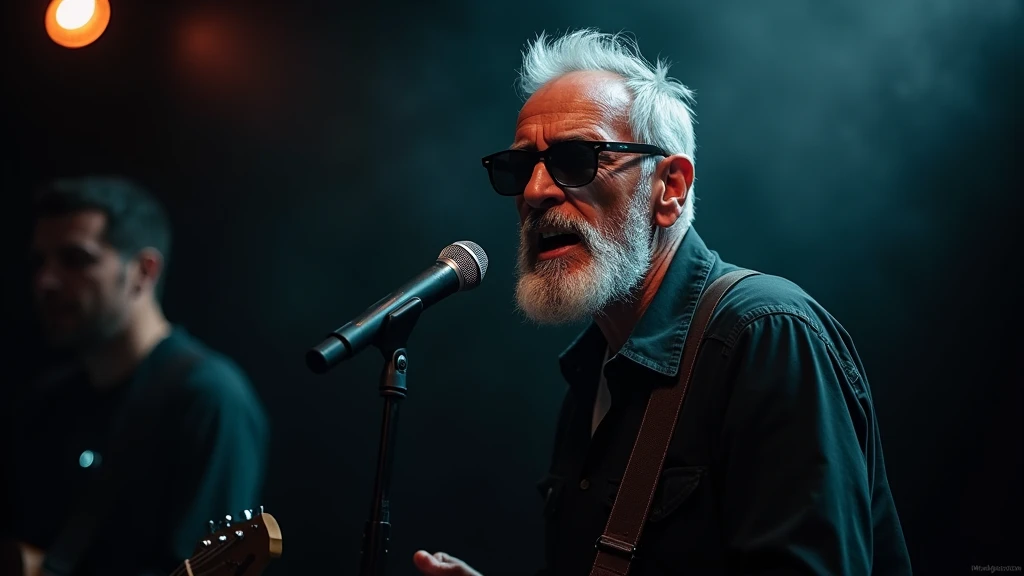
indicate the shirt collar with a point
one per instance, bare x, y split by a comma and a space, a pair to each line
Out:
656, 342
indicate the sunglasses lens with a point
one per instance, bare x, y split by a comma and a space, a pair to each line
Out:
572, 163
511, 172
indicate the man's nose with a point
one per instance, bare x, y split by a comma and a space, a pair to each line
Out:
541, 191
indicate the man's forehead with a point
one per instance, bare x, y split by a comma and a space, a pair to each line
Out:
84, 225
576, 100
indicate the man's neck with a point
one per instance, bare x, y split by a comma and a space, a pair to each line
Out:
114, 360
618, 319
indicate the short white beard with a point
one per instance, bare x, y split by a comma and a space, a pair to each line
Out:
548, 292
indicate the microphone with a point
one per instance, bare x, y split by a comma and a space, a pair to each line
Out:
460, 266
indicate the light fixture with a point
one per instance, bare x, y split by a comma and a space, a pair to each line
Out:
76, 23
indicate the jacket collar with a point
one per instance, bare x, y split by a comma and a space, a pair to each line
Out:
656, 343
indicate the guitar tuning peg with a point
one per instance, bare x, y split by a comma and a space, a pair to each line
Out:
213, 526
227, 521
247, 514
261, 508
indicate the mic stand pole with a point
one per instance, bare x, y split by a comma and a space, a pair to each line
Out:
394, 333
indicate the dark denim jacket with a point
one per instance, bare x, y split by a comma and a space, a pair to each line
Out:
776, 463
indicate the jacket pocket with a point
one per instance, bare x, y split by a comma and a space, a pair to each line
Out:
674, 487
550, 490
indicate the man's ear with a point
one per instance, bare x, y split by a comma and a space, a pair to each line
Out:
150, 266
673, 179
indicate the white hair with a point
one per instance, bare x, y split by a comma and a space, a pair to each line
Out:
661, 112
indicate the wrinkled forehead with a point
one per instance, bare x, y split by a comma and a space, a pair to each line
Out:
578, 101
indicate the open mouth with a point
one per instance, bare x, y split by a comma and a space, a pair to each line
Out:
553, 243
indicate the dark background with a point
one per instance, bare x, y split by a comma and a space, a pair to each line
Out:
313, 156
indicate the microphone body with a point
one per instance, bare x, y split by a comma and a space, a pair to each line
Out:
460, 266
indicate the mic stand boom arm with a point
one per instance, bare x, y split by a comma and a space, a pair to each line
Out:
391, 342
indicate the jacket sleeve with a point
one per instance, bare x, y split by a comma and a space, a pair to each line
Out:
796, 488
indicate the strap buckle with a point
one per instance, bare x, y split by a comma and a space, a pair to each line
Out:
616, 546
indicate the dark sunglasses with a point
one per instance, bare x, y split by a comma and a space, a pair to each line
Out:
571, 163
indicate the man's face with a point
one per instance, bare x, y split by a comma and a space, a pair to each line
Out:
80, 285
581, 248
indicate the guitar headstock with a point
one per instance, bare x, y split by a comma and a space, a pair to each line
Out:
241, 546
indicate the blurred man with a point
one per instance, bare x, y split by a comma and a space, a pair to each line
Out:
123, 456
776, 465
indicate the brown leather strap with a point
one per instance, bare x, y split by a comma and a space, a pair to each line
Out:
617, 546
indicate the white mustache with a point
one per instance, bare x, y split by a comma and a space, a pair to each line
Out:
549, 220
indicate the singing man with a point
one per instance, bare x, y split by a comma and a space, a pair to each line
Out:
775, 465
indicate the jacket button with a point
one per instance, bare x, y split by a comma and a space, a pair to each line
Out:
584, 484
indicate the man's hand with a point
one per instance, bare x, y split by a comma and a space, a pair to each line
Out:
441, 564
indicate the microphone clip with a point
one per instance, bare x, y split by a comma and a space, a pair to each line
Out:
397, 327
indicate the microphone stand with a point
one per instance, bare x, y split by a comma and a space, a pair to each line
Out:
391, 342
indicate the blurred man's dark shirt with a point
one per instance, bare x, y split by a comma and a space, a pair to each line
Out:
184, 440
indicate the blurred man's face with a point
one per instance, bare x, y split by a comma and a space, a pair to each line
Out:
79, 280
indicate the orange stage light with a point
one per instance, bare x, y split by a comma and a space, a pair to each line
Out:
77, 23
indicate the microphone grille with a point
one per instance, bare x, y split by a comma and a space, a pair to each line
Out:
470, 259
